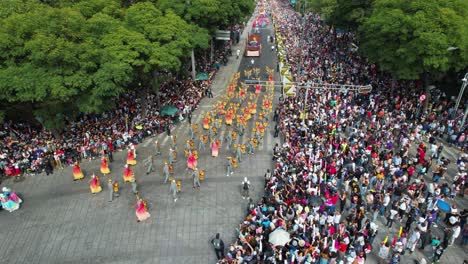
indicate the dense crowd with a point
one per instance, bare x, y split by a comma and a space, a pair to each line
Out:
357, 161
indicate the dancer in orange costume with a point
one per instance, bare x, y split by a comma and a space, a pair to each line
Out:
94, 185
141, 210
128, 174
214, 148
131, 158
77, 173
104, 166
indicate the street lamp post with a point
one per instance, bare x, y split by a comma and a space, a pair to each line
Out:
460, 96
462, 90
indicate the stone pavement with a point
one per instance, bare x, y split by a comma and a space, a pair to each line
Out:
60, 221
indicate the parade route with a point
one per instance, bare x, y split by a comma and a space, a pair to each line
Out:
60, 221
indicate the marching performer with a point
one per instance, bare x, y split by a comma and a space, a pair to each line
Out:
131, 157
141, 210
188, 146
172, 156
250, 146
128, 174
77, 173
239, 153
149, 164
173, 142
166, 171
201, 142
105, 166
214, 148
173, 189
229, 140
158, 147
230, 169
110, 186
196, 179
94, 185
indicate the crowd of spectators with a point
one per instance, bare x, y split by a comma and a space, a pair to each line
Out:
358, 165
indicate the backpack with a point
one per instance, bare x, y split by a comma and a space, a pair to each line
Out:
217, 243
246, 186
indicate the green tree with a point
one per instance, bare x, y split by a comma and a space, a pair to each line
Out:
412, 38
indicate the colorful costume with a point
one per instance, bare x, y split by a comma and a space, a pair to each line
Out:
104, 166
141, 211
191, 161
94, 185
131, 158
214, 148
128, 174
77, 173
9, 200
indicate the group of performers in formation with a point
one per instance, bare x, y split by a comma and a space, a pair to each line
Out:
113, 186
236, 109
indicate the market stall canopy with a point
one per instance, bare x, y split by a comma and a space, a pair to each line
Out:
169, 110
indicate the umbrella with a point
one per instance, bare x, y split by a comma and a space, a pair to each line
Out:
279, 237
443, 206
202, 76
169, 110
139, 127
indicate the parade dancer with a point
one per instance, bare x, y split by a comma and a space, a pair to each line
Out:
131, 157
149, 164
250, 146
134, 186
166, 171
116, 189
229, 140
230, 167
141, 210
127, 173
201, 143
239, 153
172, 156
172, 142
173, 189
94, 185
214, 148
191, 161
110, 186
196, 179
188, 147
157, 147
105, 166
77, 173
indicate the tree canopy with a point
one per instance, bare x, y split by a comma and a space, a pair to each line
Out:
63, 57
410, 38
